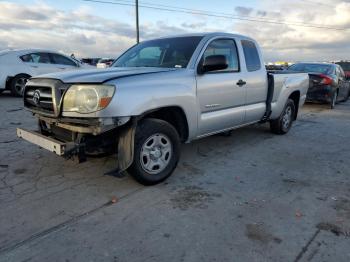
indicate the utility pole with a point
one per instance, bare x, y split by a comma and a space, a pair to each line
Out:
137, 21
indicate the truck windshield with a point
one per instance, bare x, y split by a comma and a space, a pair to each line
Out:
312, 68
169, 53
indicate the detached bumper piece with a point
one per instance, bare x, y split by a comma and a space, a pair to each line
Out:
45, 142
60, 148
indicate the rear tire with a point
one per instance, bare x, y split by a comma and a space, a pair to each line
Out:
282, 125
156, 151
334, 99
347, 96
18, 83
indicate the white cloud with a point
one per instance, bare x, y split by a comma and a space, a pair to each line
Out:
290, 42
85, 34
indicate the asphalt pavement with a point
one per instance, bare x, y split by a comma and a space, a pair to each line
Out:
251, 196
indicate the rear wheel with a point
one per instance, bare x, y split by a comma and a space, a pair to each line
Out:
347, 96
156, 151
18, 83
283, 124
334, 99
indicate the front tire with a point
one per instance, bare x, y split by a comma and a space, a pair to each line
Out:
283, 124
156, 151
18, 83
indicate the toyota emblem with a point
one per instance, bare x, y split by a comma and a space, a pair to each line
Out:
36, 97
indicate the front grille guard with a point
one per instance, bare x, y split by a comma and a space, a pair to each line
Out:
58, 90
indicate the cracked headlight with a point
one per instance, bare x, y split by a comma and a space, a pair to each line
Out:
87, 98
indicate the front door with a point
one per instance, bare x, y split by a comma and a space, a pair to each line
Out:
220, 93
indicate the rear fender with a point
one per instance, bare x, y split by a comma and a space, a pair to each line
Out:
284, 87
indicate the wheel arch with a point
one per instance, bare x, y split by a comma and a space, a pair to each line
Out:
295, 96
10, 78
174, 115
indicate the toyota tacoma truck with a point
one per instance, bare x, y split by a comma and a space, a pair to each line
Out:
158, 94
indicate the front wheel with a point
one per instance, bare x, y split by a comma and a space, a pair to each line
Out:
283, 124
156, 151
18, 83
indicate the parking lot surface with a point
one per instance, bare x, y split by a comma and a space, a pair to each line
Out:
251, 196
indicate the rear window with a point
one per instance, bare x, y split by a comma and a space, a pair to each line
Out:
312, 68
251, 55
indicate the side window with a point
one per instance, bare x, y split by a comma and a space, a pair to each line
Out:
341, 72
36, 58
227, 48
61, 60
337, 71
27, 58
251, 56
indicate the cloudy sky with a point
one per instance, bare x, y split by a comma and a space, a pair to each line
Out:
287, 30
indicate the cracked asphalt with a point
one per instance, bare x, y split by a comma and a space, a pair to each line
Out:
251, 196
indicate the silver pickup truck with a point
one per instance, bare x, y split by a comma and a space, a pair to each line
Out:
158, 94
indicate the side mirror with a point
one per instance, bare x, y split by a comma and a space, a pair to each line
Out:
213, 63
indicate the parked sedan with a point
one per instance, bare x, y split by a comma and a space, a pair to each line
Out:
327, 82
17, 66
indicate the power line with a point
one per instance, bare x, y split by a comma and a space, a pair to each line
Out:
225, 16
315, 3
206, 12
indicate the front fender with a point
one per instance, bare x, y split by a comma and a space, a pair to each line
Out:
136, 95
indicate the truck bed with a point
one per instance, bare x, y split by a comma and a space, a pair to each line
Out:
280, 85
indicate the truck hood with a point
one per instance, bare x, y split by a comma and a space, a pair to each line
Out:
102, 75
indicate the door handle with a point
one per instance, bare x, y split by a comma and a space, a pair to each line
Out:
34, 66
241, 82
62, 68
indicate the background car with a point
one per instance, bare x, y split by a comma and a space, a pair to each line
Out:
327, 82
90, 61
345, 65
105, 62
17, 66
274, 67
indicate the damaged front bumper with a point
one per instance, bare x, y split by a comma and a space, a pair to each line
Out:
64, 148
79, 137
69, 137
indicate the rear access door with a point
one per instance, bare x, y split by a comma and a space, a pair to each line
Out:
256, 84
